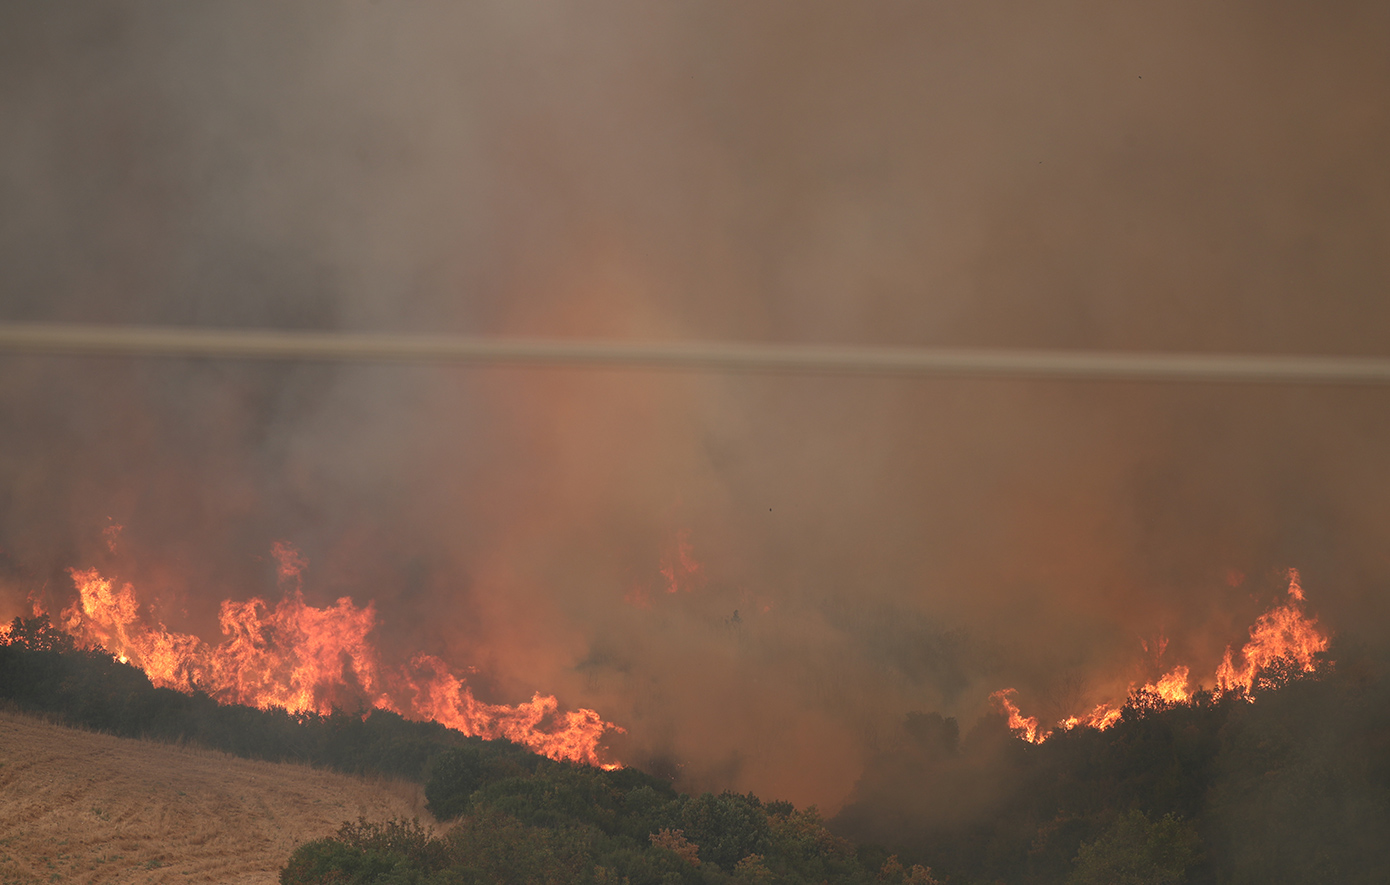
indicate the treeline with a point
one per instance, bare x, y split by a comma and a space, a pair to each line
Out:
43, 671
1287, 784
1292, 787
527, 819
521, 817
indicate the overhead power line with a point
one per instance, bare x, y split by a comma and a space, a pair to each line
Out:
151, 341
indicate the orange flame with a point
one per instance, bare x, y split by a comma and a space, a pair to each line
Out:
1283, 633
444, 698
681, 571
304, 658
1024, 727
1102, 717
1171, 687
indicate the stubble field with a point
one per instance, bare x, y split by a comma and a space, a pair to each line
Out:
76, 806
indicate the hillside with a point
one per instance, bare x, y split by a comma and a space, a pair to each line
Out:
77, 806
1285, 782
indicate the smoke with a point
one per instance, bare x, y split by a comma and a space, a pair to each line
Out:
1125, 178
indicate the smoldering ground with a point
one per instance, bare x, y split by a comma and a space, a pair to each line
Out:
1071, 176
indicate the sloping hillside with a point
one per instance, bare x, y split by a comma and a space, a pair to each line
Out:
82, 807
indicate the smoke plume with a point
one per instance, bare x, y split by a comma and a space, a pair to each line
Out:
757, 576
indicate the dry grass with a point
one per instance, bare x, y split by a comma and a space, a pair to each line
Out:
82, 807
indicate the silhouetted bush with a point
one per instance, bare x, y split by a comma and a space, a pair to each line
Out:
42, 671
1288, 783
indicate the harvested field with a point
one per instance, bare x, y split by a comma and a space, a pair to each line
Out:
76, 806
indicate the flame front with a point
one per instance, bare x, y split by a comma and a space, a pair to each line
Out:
1025, 727
443, 697
1283, 633
1172, 687
308, 659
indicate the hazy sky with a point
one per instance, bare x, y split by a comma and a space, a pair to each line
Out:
1182, 176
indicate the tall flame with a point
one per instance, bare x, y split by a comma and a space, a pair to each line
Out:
1283, 633
1025, 727
308, 659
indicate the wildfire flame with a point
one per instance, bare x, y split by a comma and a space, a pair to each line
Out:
1284, 633
1171, 687
1102, 717
1025, 727
1281, 633
444, 698
680, 570
308, 659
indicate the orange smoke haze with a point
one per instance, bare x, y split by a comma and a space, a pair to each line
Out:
290, 564
757, 576
307, 659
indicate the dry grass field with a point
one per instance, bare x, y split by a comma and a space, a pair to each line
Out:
82, 807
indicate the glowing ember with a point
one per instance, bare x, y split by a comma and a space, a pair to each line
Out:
303, 658
1284, 633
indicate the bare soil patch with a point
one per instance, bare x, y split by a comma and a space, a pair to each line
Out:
76, 806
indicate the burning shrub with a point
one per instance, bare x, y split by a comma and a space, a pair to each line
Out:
309, 659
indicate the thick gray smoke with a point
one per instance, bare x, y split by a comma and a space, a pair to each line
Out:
1174, 177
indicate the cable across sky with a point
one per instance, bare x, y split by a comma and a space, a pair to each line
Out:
705, 356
